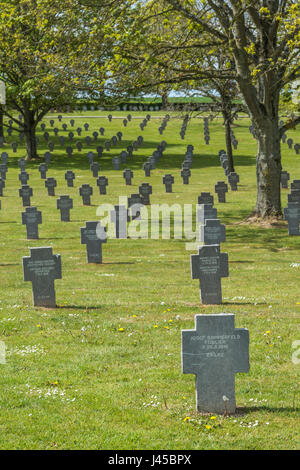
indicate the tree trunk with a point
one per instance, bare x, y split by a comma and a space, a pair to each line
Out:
30, 137
164, 101
227, 123
268, 170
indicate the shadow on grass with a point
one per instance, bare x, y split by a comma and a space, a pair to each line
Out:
248, 409
60, 160
244, 303
121, 262
10, 264
79, 307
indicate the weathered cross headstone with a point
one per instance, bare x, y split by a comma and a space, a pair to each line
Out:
215, 351
43, 168
69, 177
292, 214
212, 232
23, 177
2, 185
3, 170
93, 235
22, 164
51, 184
64, 204
102, 182
185, 175
233, 179
85, 192
128, 175
123, 156
168, 181
116, 163
209, 266
42, 268
147, 168
221, 188
95, 168
31, 218
25, 192
145, 190
204, 212
284, 179
47, 157
4, 157
136, 201
206, 198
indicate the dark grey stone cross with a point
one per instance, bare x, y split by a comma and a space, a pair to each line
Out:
42, 268
215, 351
93, 235
209, 266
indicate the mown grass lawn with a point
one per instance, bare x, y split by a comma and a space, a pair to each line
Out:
103, 369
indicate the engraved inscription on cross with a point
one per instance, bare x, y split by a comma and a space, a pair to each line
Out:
215, 351
209, 266
42, 268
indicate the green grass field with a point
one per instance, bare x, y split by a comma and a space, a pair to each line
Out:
103, 369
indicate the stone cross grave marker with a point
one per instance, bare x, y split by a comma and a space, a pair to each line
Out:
102, 182
209, 266
147, 168
123, 156
204, 212
206, 198
4, 157
42, 268
23, 177
85, 192
99, 149
31, 218
43, 168
145, 190
47, 157
64, 204
25, 192
79, 145
3, 170
22, 164
215, 351
221, 188
185, 175
292, 214
51, 184
134, 204
212, 232
93, 235
128, 175
284, 179
95, 168
168, 181
116, 163
119, 217
233, 179
2, 185
70, 177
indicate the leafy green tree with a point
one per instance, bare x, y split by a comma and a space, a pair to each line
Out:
262, 41
46, 57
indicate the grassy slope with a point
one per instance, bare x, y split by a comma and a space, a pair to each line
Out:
89, 385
